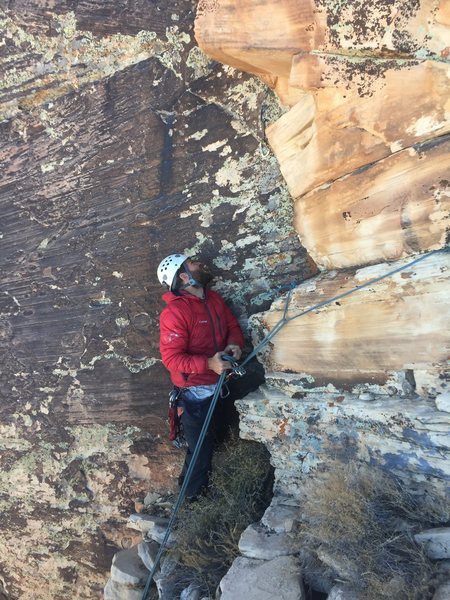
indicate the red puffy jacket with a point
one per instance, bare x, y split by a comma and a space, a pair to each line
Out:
191, 331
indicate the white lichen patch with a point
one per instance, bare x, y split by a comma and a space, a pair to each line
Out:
49, 167
246, 241
122, 322
214, 146
231, 173
198, 135
199, 62
74, 58
425, 125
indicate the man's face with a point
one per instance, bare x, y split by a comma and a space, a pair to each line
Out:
200, 272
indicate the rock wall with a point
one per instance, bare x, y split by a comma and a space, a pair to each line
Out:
364, 149
121, 142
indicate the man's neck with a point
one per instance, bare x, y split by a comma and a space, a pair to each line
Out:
195, 291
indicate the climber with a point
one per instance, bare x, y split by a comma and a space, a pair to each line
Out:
196, 330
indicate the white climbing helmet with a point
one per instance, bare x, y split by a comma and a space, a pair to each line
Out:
168, 267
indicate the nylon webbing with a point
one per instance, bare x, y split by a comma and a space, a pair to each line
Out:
277, 327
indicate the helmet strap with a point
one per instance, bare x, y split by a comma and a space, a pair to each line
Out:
191, 281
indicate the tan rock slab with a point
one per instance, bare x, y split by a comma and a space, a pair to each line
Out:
258, 37
399, 323
263, 37
333, 132
398, 206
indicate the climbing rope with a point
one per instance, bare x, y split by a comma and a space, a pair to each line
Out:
235, 368
187, 477
285, 319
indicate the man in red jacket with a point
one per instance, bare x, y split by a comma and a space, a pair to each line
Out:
196, 329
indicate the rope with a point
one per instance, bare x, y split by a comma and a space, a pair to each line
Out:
285, 319
187, 477
277, 327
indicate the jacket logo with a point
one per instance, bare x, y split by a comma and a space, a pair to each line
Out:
202, 322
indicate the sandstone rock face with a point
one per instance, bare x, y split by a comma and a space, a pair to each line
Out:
120, 143
364, 148
304, 428
366, 88
367, 336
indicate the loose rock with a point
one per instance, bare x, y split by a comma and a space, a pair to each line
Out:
341, 592
443, 402
191, 593
147, 553
152, 527
253, 579
116, 591
280, 517
128, 569
436, 542
257, 541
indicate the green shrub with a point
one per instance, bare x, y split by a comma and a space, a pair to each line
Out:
240, 489
361, 521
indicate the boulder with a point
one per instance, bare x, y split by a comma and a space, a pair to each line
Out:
253, 579
128, 569
257, 541
147, 552
152, 527
436, 542
443, 401
342, 592
117, 591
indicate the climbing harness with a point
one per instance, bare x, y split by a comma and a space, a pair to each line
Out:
237, 369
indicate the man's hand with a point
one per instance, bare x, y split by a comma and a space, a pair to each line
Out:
216, 364
234, 350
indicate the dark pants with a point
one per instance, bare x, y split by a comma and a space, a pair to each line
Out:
225, 417
193, 417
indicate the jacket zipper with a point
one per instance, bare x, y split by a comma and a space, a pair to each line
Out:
212, 325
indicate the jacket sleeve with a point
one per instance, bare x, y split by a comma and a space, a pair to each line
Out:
174, 339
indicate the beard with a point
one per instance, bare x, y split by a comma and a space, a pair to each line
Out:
203, 276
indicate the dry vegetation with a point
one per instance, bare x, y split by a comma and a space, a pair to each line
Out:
209, 529
359, 523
